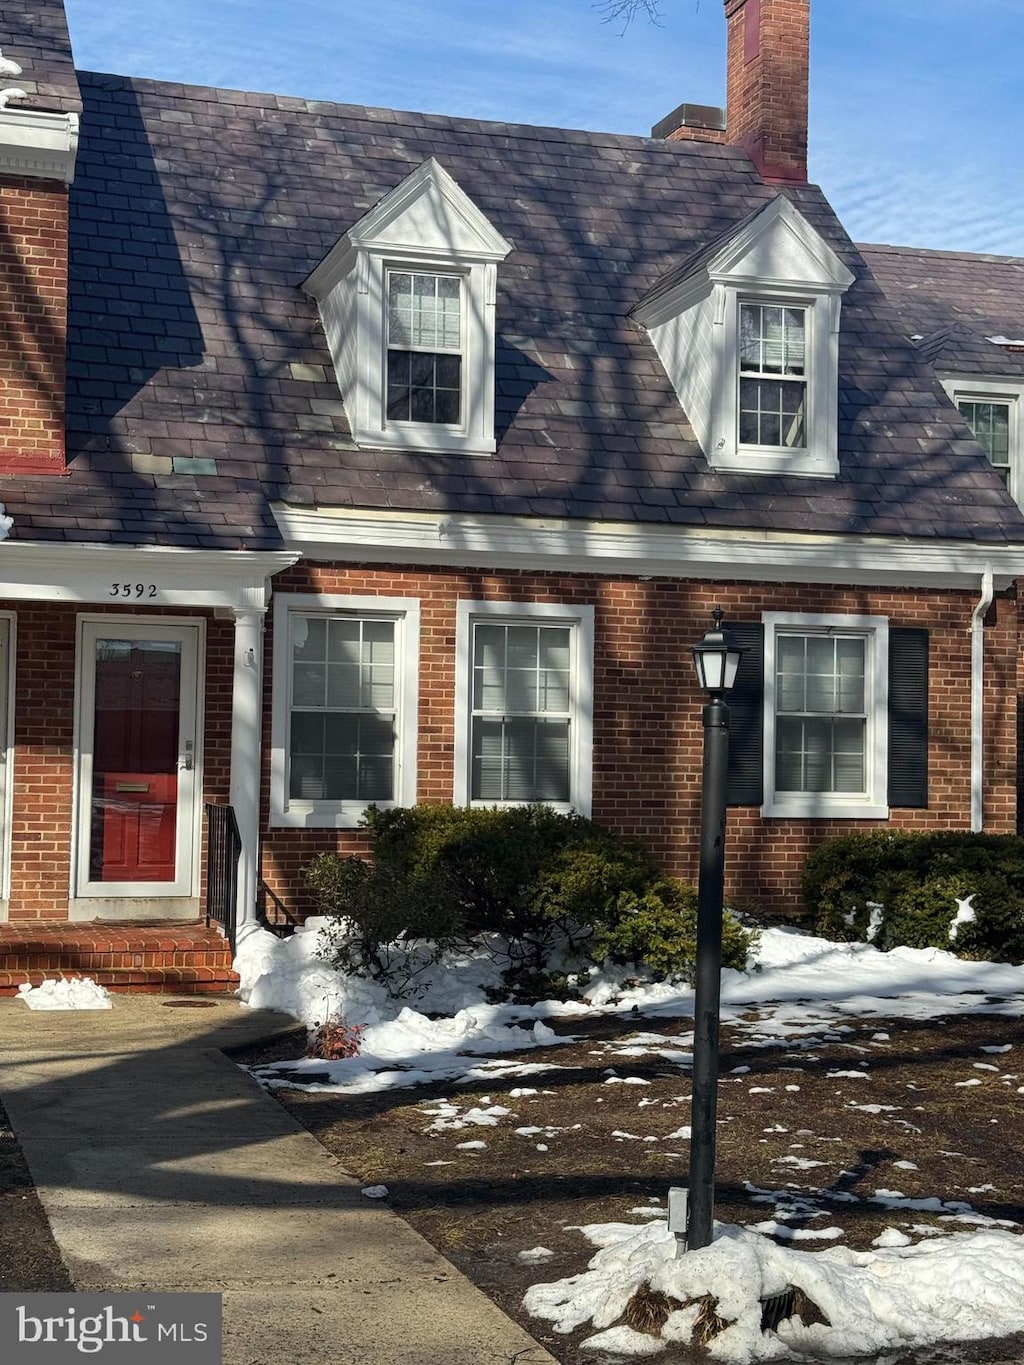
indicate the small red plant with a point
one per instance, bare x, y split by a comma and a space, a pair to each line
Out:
334, 1039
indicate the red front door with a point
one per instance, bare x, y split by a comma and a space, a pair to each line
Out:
135, 760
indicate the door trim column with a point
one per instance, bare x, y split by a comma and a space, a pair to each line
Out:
246, 750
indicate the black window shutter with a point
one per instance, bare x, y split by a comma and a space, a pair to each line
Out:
908, 717
745, 786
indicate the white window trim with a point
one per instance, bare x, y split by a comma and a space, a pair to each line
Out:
978, 389
288, 813
581, 726
873, 803
820, 456
474, 434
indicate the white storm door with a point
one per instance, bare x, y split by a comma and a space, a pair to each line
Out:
138, 780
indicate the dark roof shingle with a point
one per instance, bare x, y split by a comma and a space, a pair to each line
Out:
197, 214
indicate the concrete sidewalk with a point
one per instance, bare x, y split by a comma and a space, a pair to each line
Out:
160, 1164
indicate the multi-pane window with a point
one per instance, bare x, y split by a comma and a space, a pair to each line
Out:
424, 348
343, 709
521, 700
989, 420
821, 718
773, 375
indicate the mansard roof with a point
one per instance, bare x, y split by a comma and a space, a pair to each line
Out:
201, 390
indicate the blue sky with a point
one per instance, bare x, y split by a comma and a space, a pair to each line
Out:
917, 116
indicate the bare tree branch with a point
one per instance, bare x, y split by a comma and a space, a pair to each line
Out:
625, 11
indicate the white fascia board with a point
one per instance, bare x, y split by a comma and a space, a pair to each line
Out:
38, 144
448, 226
781, 230
650, 551
455, 212
153, 577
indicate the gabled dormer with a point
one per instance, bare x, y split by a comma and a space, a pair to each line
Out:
407, 301
748, 332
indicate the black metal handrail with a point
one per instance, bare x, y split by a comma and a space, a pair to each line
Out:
223, 850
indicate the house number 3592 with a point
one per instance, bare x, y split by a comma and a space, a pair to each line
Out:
134, 590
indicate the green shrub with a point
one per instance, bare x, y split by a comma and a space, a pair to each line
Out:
918, 879
658, 927
557, 888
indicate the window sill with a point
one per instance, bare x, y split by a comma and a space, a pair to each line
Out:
326, 816
825, 807
767, 460
442, 440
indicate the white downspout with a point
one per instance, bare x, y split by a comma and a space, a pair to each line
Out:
978, 702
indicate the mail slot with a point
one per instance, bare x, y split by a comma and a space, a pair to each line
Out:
131, 786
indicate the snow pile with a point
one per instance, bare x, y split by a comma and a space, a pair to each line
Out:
399, 1046
897, 1297
291, 975
71, 993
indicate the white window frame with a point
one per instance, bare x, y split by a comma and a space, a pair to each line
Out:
872, 803
473, 434
581, 724
819, 455
288, 812
977, 389
792, 381
407, 424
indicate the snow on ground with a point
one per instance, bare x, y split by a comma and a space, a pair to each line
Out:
902, 1294
798, 990
955, 1288
69, 993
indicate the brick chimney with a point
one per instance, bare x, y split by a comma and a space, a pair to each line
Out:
766, 108
40, 105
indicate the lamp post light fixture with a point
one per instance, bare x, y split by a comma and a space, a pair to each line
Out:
717, 658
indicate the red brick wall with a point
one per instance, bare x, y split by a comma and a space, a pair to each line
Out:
33, 325
646, 719
43, 770
647, 728
687, 134
766, 106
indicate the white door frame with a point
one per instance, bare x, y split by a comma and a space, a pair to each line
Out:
135, 899
8, 655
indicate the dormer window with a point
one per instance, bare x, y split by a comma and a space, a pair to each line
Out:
424, 382
994, 411
407, 299
749, 336
773, 376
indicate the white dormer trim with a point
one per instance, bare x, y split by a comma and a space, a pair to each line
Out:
38, 144
426, 224
776, 257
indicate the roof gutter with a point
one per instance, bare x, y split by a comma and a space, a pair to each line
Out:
978, 701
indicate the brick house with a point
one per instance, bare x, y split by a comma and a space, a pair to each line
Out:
357, 456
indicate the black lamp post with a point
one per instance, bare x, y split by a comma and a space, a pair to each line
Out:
717, 658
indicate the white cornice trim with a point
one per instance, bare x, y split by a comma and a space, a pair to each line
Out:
55, 572
36, 143
654, 551
454, 229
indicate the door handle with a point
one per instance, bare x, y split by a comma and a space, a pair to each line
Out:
188, 762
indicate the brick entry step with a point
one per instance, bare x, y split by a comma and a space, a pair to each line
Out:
159, 958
